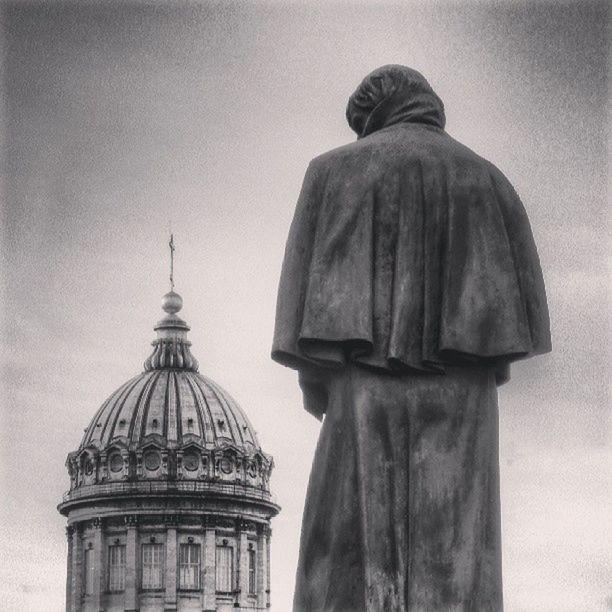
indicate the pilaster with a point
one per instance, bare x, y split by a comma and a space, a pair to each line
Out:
131, 564
99, 573
243, 564
210, 553
76, 574
69, 537
267, 536
263, 568
170, 603
98, 586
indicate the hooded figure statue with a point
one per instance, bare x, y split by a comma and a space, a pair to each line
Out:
410, 282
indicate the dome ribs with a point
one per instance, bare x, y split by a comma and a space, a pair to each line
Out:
88, 437
236, 411
170, 404
155, 415
171, 424
133, 427
125, 414
220, 420
188, 409
212, 404
137, 432
230, 416
202, 409
115, 411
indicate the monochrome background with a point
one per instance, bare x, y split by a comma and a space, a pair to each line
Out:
119, 118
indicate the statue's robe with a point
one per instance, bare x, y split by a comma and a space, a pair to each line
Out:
410, 282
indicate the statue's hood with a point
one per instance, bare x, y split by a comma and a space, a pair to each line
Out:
393, 94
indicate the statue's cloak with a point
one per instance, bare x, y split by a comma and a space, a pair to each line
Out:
411, 281
408, 251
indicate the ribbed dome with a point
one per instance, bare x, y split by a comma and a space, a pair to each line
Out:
170, 401
174, 405
169, 423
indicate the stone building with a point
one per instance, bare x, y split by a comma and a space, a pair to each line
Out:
169, 504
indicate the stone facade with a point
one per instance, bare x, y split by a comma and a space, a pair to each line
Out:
169, 504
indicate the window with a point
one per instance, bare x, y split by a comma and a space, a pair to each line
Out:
189, 566
252, 587
225, 568
152, 460
116, 567
225, 465
115, 462
89, 467
89, 569
191, 461
152, 564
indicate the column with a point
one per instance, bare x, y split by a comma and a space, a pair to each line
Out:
243, 565
99, 574
131, 563
69, 531
171, 564
210, 555
262, 568
76, 573
267, 536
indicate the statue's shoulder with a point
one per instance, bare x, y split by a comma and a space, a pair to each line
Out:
339, 155
354, 158
463, 153
402, 148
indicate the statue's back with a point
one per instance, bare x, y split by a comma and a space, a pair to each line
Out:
410, 283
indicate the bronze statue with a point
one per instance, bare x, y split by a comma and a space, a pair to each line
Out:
410, 283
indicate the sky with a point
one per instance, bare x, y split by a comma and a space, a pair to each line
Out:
123, 120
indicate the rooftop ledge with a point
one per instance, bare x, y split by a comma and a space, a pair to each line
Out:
155, 488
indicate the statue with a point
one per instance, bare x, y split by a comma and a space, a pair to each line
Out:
410, 282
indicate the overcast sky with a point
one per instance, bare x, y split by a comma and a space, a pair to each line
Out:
119, 118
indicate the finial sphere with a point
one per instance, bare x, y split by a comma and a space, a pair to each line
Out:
172, 302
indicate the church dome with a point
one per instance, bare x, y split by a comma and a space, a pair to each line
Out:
173, 406
169, 423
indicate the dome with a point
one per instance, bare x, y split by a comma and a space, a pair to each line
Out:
174, 407
169, 423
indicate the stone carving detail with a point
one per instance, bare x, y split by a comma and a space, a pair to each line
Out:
209, 521
244, 525
131, 520
171, 520
224, 523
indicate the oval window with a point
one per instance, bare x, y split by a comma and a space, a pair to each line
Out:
116, 462
252, 469
152, 460
89, 467
191, 461
225, 465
